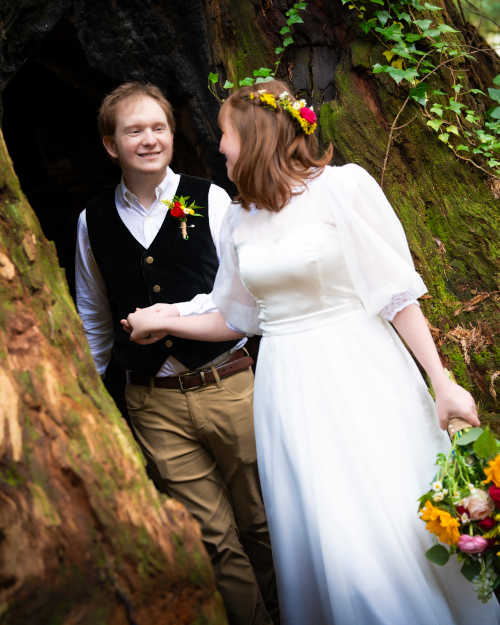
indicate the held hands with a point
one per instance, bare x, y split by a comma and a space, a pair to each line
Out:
146, 325
454, 401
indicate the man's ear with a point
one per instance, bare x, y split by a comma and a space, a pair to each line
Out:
110, 145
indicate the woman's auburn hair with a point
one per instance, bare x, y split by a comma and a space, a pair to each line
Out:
276, 155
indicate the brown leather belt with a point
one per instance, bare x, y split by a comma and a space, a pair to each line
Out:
238, 361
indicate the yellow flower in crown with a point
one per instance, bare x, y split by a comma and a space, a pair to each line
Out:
492, 471
268, 99
297, 109
440, 523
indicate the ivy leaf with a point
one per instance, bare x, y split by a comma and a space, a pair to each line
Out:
445, 28
432, 7
496, 80
383, 16
214, 78
457, 88
455, 106
438, 92
278, 50
388, 55
263, 79
294, 19
381, 2
368, 25
404, 16
435, 124
462, 148
434, 32
228, 85
262, 71
438, 554
495, 113
423, 24
392, 32
285, 30
453, 129
477, 91
437, 109
287, 42
301, 6
444, 136
493, 163
412, 37
486, 445
397, 63
246, 82
494, 94
419, 93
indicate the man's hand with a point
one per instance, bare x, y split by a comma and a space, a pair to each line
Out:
141, 323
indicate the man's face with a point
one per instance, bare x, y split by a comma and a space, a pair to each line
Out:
143, 141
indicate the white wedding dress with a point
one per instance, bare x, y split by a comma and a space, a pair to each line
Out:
346, 430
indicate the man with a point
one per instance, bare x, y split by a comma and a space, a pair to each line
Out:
189, 402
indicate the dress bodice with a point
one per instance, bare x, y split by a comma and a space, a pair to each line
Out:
293, 265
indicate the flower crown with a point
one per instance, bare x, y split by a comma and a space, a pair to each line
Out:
297, 109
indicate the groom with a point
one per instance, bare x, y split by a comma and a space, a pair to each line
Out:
189, 402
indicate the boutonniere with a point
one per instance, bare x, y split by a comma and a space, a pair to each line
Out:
180, 209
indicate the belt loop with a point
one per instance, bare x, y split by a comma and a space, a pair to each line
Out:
215, 373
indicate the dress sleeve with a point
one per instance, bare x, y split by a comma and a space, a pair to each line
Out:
375, 246
232, 298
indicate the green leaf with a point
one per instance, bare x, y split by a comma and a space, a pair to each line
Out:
437, 109
381, 2
392, 32
412, 37
455, 106
263, 79
495, 113
462, 148
423, 24
438, 92
262, 71
474, 433
278, 50
285, 30
419, 93
435, 124
494, 94
486, 445
301, 6
434, 32
471, 569
213, 77
294, 19
438, 554
445, 28
287, 41
496, 80
246, 82
453, 129
228, 85
404, 16
432, 7
383, 16
477, 91
444, 136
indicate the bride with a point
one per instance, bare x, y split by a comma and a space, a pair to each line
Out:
315, 260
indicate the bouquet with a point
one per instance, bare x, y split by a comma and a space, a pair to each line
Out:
462, 508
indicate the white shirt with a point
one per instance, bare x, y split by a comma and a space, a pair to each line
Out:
91, 293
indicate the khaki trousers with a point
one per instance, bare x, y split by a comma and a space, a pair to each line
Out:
202, 445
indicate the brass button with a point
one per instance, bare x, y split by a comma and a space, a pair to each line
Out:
149, 259
157, 288
168, 343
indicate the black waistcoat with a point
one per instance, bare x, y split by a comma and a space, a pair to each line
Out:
170, 270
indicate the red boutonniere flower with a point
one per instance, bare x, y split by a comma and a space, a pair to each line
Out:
179, 209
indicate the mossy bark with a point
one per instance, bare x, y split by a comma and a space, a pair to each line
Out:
449, 209
84, 536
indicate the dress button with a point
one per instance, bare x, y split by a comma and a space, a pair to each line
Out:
168, 343
149, 259
157, 288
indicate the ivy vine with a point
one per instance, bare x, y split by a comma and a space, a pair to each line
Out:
419, 47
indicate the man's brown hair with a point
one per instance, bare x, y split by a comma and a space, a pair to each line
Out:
276, 155
106, 119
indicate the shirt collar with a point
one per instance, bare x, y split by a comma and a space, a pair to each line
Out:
167, 187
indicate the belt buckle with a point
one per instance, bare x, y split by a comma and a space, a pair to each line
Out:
192, 388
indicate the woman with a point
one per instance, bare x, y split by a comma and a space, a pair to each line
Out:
315, 260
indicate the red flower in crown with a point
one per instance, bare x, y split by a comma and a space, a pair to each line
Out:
177, 210
307, 114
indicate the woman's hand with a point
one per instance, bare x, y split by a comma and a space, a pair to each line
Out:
144, 325
454, 401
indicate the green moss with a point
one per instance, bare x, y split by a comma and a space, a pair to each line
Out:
42, 505
11, 476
